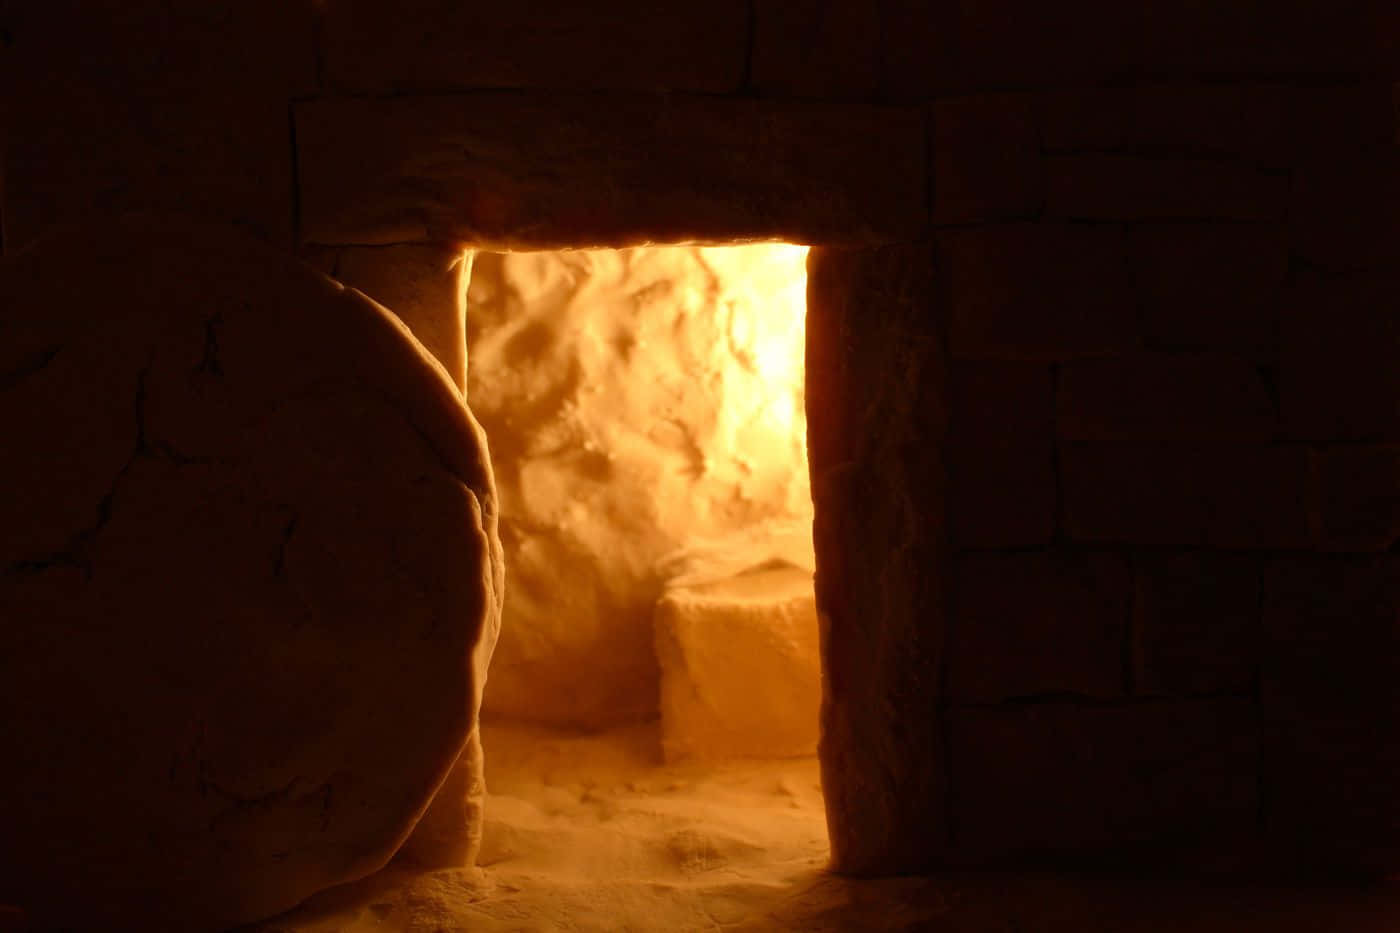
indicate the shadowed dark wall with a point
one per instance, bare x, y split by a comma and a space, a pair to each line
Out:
1104, 403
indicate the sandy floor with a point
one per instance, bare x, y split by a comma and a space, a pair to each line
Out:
593, 835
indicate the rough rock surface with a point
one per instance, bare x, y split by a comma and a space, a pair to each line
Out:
424, 286
249, 579
740, 669
877, 423
640, 403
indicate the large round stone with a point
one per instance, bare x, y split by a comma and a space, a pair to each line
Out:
249, 580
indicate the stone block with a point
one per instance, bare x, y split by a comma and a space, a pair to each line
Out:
1001, 457
1355, 498
740, 672
1193, 495
1329, 632
1106, 187
1057, 779
427, 45
1209, 286
1195, 623
1002, 491
968, 44
917, 48
986, 159
1207, 120
232, 166
1329, 692
1136, 493
1003, 43
1197, 396
258, 536
639, 169
1029, 624
1036, 291
1339, 340
424, 285
1344, 212
163, 49
1338, 118
817, 48
1267, 125
150, 106
1257, 497
996, 398
1272, 124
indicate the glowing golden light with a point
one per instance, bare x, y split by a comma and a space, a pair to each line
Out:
648, 433
643, 406
762, 386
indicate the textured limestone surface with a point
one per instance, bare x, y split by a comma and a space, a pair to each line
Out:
740, 672
249, 578
877, 419
645, 412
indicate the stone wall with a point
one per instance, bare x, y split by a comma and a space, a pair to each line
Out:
1163, 436
1107, 466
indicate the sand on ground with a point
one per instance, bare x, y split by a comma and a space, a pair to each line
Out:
593, 832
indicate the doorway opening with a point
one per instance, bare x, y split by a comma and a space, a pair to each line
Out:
650, 716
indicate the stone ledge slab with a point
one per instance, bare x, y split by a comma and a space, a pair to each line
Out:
549, 171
